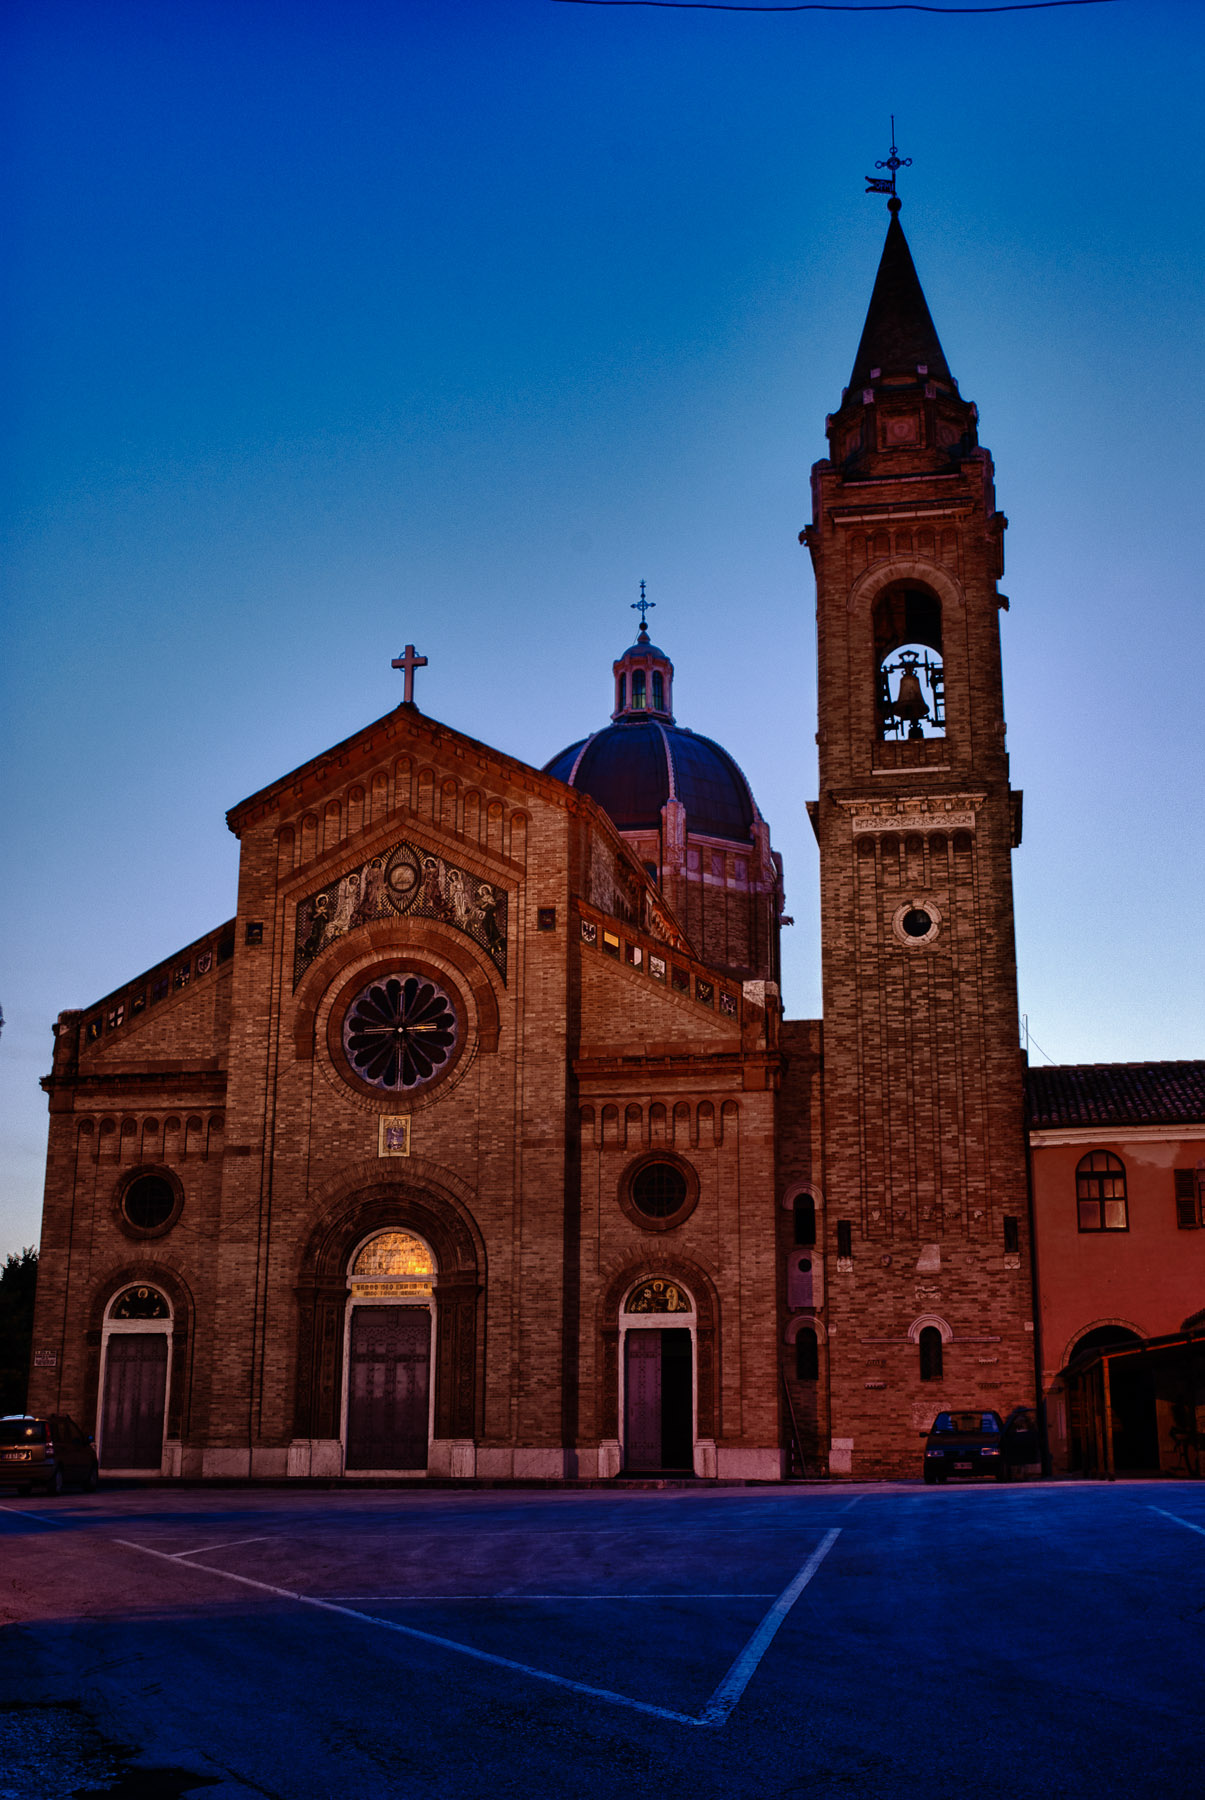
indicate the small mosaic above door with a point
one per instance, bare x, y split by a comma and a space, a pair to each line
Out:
404, 881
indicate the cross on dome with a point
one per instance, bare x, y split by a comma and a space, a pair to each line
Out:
409, 662
643, 607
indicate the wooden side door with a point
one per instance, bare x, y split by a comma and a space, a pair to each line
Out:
642, 1400
388, 1387
135, 1393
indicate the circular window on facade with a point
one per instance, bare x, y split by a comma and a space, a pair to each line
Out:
916, 923
400, 1032
150, 1203
659, 1192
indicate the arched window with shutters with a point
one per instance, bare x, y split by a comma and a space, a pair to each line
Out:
804, 1207
930, 1345
1100, 1192
807, 1355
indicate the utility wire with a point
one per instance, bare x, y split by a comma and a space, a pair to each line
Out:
819, 6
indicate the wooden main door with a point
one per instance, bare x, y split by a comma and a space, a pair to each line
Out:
131, 1431
388, 1384
658, 1400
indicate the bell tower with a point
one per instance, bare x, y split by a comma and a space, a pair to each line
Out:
925, 1197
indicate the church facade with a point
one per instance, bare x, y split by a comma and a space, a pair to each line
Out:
476, 1145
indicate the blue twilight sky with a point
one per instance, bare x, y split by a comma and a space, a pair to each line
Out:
334, 325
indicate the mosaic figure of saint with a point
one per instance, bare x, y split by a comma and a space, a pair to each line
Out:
431, 892
317, 931
458, 898
487, 905
372, 894
349, 893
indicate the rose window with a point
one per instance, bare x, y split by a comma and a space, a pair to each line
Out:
399, 1032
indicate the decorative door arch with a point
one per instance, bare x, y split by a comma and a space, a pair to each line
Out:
657, 1326
135, 1377
388, 1395
356, 1214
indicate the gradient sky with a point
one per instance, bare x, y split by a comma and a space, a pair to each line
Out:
333, 326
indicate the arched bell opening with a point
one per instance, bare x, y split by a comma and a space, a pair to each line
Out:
909, 665
388, 1393
658, 1323
135, 1380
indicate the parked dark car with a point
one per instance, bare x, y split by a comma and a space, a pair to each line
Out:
51, 1453
964, 1445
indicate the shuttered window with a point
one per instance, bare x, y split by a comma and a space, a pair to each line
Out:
1190, 1197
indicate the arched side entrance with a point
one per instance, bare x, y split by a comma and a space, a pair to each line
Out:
388, 1413
657, 1325
135, 1376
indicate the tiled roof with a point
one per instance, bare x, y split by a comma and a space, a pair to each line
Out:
1154, 1093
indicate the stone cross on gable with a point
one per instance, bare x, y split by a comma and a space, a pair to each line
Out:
409, 662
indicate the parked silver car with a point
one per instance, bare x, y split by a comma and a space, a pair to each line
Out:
50, 1453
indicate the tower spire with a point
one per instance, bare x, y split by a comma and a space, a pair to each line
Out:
899, 336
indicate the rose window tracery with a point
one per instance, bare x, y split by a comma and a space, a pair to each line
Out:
399, 1032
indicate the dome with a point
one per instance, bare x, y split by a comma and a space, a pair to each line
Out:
633, 767
642, 758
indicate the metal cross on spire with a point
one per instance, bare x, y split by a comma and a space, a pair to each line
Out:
885, 184
409, 662
643, 607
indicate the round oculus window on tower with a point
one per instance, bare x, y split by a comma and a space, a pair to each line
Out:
916, 923
400, 1032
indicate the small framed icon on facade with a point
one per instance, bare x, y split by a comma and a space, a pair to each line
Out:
394, 1135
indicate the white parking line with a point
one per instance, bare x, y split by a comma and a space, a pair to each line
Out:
36, 1517
1200, 1530
714, 1714
741, 1673
510, 1599
229, 1544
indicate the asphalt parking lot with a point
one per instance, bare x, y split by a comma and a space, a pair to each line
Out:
880, 1643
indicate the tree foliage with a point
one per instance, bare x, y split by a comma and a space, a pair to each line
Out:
18, 1281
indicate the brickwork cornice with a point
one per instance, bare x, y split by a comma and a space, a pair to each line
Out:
661, 1064
207, 1078
403, 727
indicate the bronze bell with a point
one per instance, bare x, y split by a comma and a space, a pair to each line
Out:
910, 702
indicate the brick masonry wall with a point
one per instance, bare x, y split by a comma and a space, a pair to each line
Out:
278, 1151
924, 1148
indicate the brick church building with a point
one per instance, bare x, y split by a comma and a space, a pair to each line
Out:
476, 1143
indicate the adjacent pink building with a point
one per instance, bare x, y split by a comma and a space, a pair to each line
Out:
1118, 1181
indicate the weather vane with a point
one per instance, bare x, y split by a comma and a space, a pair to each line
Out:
885, 184
642, 607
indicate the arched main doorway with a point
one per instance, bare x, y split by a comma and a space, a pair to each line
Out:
657, 1324
135, 1374
388, 1394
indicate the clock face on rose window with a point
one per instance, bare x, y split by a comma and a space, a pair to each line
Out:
399, 1032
